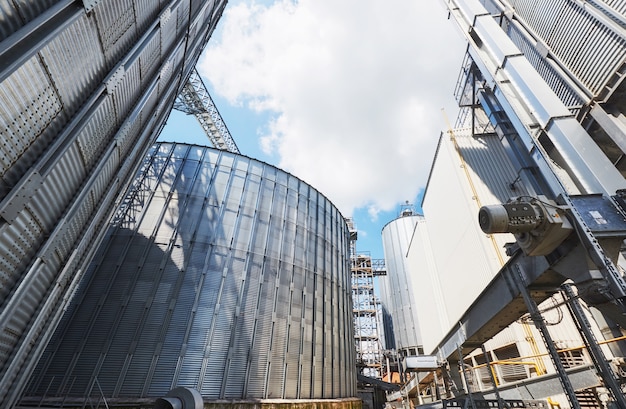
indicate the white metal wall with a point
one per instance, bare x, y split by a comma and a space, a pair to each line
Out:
467, 173
472, 172
84, 90
430, 306
221, 273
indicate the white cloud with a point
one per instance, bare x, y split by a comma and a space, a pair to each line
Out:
356, 89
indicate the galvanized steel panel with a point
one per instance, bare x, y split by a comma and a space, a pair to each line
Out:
61, 184
565, 91
49, 168
30, 9
167, 29
11, 21
182, 16
75, 82
150, 57
97, 132
398, 296
127, 91
28, 104
116, 25
146, 12
593, 52
237, 311
617, 5
17, 13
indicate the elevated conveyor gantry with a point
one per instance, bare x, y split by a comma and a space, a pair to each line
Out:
195, 100
569, 168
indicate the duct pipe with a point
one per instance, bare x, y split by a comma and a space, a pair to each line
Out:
180, 398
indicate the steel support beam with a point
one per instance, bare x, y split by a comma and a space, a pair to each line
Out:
34, 35
499, 305
195, 99
540, 324
592, 346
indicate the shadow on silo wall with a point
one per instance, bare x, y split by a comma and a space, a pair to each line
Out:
220, 273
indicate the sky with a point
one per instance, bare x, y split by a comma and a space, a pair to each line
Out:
347, 95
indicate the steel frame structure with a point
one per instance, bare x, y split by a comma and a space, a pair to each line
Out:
365, 309
560, 160
194, 99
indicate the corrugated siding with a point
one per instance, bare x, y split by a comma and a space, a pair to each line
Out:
116, 26
126, 91
451, 205
11, 21
593, 51
182, 16
617, 5
206, 289
29, 103
147, 12
547, 70
96, 132
15, 14
150, 58
70, 141
167, 29
75, 82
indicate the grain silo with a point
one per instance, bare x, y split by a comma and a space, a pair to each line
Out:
398, 287
220, 273
85, 87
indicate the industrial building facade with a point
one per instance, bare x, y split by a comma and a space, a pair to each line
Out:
85, 88
471, 171
220, 273
541, 131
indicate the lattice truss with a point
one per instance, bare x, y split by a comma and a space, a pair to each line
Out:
194, 99
366, 318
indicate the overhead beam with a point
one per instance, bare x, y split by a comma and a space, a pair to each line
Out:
195, 99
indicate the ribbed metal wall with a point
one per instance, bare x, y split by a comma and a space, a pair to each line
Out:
572, 96
220, 273
619, 6
468, 172
398, 286
590, 48
84, 89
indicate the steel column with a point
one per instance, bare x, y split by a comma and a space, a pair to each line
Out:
582, 324
545, 334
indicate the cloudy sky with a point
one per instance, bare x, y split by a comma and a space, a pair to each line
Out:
346, 94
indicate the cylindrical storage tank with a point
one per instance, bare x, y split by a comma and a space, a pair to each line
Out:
85, 88
398, 286
220, 273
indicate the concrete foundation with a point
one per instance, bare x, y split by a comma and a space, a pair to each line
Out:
121, 403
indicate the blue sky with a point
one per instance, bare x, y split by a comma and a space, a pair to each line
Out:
345, 95
243, 124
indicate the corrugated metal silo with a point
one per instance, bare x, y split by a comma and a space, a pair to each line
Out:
84, 89
398, 287
220, 273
